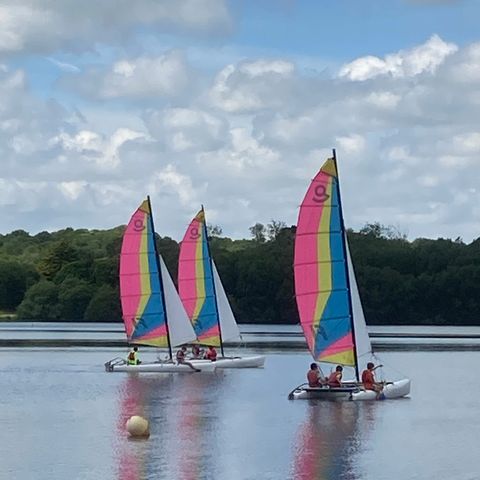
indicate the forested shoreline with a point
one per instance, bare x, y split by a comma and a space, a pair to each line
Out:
72, 275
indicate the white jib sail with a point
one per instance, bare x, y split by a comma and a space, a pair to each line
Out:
362, 340
179, 327
227, 321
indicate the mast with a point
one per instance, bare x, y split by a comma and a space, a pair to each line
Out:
344, 247
160, 278
213, 281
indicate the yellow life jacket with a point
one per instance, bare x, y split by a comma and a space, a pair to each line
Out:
132, 358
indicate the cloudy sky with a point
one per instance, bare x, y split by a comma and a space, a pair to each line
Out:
236, 104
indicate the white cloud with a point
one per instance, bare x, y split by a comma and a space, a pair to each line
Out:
467, 142
246, 141
423, 58
104, 152
166, 75
353, 144
170, 180
385, 100
252, 86
69, 25
72, 190
187, 129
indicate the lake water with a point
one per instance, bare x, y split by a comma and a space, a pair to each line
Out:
62, 417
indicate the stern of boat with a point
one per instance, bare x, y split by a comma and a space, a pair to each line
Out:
110, 365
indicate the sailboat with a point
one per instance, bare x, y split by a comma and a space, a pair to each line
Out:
153, 313
326, 291
204, 297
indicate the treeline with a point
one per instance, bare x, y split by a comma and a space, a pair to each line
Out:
72, 275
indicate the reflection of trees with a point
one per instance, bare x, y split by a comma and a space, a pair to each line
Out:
327, 441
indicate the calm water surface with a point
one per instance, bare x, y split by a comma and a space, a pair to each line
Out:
62, 417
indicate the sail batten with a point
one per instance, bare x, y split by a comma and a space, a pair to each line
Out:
321, 283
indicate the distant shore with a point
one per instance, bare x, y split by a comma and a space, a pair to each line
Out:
253, 336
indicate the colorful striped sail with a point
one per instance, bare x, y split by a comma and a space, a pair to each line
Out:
321, 283
143, 305
196, 282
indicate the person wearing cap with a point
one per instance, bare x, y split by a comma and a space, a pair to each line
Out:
313, 376
368, 379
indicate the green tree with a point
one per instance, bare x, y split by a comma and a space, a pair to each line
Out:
105, 271
258, 232
40, 303
78, 269
274, 228
214, 230
14, 281
104, 306
60, 254
74, 297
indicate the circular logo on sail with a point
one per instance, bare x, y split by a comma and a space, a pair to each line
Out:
138, 225
194, 234
320, 194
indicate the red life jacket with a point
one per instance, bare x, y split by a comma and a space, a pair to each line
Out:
368, 379
211, 354
313, 380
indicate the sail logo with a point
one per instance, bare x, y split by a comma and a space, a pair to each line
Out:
194, 234
138, 225
320, 194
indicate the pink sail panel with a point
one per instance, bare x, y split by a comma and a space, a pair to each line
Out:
140, 286
196, 284
319, 267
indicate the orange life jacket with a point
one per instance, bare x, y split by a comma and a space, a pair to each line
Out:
333, 380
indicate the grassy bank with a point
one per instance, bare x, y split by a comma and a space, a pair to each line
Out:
7, 316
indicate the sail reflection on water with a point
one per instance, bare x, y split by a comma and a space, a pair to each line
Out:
183, 415
328, 443
139, 395
196, 427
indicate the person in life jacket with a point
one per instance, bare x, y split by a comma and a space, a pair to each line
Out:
368, 379
181, 355
211, 354
335, 378
132, 358
313, 376
196, 351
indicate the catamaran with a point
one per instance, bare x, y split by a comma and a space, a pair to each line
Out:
153, 313
326, 292
204, 297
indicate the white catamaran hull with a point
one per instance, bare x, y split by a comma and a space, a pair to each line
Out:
392, 390
398, 389
254, 361
158, 367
